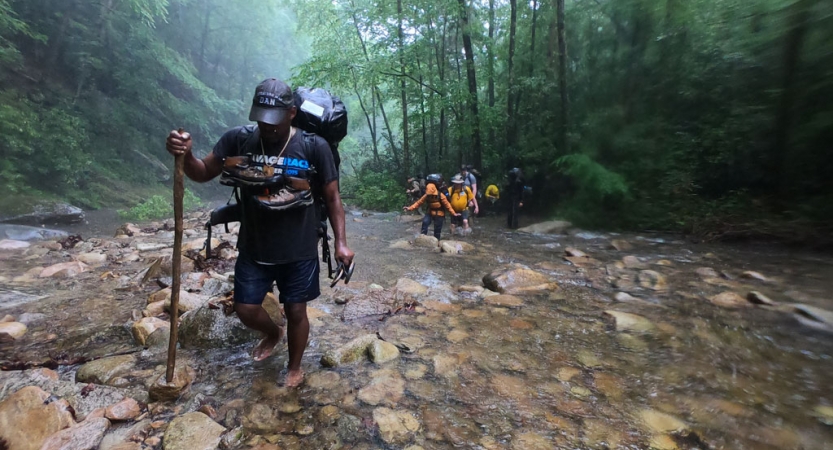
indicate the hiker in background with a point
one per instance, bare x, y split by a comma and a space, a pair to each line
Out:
468, 178
492, 196
436, 204
515, 193
278, 239
413, 190
460, 196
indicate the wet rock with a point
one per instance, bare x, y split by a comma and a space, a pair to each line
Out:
621, 245
29, 416
566, 374
150, 246
119, 436
9, 331
588, 359
518, 279
631, 342
27, 233
403, 244
127, 409
653, 280
632, 262
519, 324
193, 431
7, 318
456, 247
824, 414
163, 391
570, 251
729, 300
385, 388
396, 427
381, 351
154, 309
101, 371
549, 227
260, 418
630, 322
813, 317
10, 244
187, 301
353, 351
425, 241
128, 229
663, 442
532, 441
92, 258
456, 336
349, 427
63, 270
46, 213
707, 272
509, 301
445, 365
407, 289
659, 422
415, 371
147, 325
84, 436
211, 328
324, 380
159, 339
760, 299
751, 275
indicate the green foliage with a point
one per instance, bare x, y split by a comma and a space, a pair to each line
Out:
159, 207
378, 191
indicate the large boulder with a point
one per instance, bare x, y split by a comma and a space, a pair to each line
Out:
29, 416
549, 227
211, 328
101, 371
56, 213
84, 436
813, 317
193, 431
353, 351
187, 301
456, 247
146, 326
426, 241
516, 279
27, 233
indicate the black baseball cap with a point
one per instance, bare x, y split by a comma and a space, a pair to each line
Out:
272, 101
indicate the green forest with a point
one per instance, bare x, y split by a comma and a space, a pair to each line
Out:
707, 117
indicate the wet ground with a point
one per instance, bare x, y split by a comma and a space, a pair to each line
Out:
552, 373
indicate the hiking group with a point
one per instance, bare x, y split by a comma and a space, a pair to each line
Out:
286, 183
460, 199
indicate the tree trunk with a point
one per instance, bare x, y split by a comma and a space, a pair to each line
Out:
784, 115
562, 79
406, 157
491, 69
470, 75
204, 36
510, 90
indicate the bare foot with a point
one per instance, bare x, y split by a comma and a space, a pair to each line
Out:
294, 378
266, 347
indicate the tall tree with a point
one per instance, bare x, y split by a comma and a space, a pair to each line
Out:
472, 84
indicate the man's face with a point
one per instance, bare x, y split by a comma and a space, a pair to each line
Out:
274, 133
464, 171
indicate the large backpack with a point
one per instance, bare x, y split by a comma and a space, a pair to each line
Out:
324, 114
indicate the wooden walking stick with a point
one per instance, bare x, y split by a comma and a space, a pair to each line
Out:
176, 266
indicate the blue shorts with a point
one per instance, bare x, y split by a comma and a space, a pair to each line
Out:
297, 281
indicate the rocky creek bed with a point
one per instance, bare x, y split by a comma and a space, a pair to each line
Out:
538, 339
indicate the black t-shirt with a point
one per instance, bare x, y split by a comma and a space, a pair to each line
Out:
287, 236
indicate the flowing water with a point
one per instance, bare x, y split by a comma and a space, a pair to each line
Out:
552, 373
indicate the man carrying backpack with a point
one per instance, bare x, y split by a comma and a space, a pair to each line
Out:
278, 242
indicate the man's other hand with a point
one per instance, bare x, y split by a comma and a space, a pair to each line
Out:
344, 255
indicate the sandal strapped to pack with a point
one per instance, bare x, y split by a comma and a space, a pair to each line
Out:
238, 171
342, 273
285, 198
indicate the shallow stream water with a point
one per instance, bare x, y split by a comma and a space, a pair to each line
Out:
552, 373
